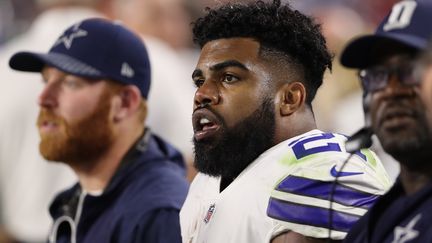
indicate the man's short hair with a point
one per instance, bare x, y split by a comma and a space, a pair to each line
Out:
276, 27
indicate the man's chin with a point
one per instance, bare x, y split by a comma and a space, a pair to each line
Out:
50, 153
401, 145
205, 167
202, 161
399, 135
204, 145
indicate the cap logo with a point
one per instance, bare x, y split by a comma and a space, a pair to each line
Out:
68, 38
400, 16
127, 71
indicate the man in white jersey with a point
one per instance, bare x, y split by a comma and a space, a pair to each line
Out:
255, 136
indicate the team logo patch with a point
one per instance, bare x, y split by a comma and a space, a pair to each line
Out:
209, 214
401, 15
68, 38
407, 233
127, 70
337, 173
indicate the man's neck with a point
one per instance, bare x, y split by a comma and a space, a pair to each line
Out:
288, 128
95, 175
414, 180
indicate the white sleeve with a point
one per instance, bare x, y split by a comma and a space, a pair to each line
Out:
301, 200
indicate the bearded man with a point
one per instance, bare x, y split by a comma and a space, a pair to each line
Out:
266, 171
92, 113
398, 116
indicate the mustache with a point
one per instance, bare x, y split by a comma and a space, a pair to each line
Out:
400, 106
47, 115
202, 106
209, 108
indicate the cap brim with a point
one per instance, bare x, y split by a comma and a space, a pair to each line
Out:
34, 62
360, 53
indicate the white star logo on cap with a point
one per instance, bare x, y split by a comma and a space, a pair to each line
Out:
68, 39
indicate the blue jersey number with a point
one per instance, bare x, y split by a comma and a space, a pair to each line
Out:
301, 151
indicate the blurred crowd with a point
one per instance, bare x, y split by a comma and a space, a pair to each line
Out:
27, 183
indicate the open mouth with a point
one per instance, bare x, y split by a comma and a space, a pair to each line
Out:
205, 124
47, 126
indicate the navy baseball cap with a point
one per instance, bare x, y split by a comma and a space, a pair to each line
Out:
408, 24
97, 49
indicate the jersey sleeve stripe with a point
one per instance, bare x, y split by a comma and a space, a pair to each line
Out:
317, 202
308, 215
310, 231
322, 189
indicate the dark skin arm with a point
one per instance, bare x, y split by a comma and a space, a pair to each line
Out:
293, 237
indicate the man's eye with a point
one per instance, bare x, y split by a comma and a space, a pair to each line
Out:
198, 82
228, 78
71, 83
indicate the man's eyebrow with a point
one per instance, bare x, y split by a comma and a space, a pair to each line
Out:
197, 73
228, 63
219, 66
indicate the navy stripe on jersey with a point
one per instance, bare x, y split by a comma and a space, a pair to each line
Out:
309, 215
321, 189
303, 148
329, 145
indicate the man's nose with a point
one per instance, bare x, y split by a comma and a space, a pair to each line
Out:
207, 93
48, 96
396, 87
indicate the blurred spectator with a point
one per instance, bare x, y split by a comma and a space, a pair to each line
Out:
6, 18
164, 25
371, 10
167, 20
27, 182
337, 32
15, 17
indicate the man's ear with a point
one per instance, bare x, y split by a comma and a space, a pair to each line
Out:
128, 102
291, 97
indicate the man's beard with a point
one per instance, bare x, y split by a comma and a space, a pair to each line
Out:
239, 146
413, 150
82, 141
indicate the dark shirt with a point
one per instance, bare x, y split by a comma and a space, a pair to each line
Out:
140, 204
396, 218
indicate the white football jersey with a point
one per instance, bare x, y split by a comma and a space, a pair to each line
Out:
292, 183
